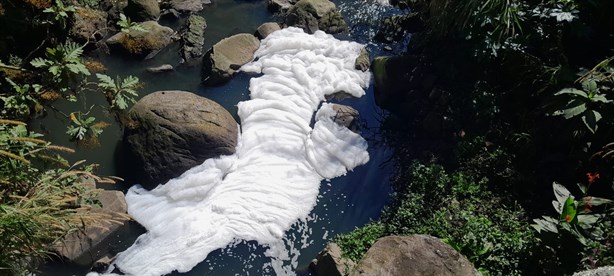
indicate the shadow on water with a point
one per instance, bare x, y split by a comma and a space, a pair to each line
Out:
344, 203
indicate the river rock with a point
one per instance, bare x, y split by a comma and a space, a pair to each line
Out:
142, 44
413, 255
88, 25
393, 79
193, 38
172, 131
227, 56
313, 15
80, 247
142, 10
160, 69
184, 6
266, 29
278, 5
330, 262
362, 62
395, 27
346, 116
113, 8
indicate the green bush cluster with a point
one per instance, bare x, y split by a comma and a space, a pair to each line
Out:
492, 232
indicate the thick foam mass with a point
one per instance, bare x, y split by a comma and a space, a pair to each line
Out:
273, 178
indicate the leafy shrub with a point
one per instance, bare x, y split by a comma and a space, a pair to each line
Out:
41, 198
491, 232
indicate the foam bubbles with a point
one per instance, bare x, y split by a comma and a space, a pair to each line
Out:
273, 179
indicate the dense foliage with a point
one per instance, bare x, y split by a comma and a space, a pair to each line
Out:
508, 96
42, 197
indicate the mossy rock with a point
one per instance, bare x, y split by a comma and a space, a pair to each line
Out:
142, 44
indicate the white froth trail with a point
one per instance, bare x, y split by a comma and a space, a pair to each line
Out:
273, 178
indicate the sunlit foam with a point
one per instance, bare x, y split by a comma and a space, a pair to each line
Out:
272, 180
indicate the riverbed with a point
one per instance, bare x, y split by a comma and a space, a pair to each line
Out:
344, 203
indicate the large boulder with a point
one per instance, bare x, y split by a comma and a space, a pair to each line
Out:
88, 25
142, 44
142, 10
227, 56
83, 247
170, 132
313, 15
193, 38
330, 262
600, 271
413, 255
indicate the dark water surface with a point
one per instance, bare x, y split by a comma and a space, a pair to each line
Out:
343, 204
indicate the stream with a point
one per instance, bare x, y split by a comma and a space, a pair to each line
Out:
343, 203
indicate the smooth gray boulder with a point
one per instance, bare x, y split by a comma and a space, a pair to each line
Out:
142, 10
330, 262
227, 56
413, 255
266, 29
142, 44
170, 132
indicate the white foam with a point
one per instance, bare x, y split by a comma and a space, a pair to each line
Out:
273, 179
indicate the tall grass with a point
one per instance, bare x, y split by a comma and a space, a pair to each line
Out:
42, 199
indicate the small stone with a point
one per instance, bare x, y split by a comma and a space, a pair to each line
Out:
266, 29
160, 69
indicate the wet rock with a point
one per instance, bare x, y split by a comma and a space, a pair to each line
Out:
346, 116
142, 10
193, 38
395, 27
88, 25
413, 255
184, 6
142, 44
113, 8
278, 5
79, 247
392, 79
330, 262
172, 131
102, 264
227, 56
160, 69
266, 29
313, 15
362, 62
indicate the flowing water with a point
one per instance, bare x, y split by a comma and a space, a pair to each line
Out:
342, 203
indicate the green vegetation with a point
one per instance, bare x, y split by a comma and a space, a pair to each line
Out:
492, 232
499, 99
43, 198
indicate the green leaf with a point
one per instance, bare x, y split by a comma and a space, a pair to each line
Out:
105, 82
572, 91
596, 201
569, 211
590, 120
39, 62
78, 68
590, 86
547, 224
574, 108
130, 82
600, 98
560, 192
